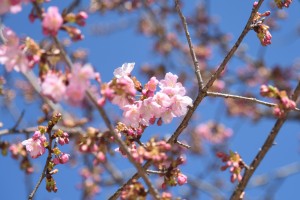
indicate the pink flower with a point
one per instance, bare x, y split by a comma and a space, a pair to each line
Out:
62, 159
35, 145
181, 179
124, 70
131, 115
13, 58
53, 87
81, 17
124, 91
79, 82
170, 86
180, 105
52, 21
11, 55
213, 132
64, 139
13, 6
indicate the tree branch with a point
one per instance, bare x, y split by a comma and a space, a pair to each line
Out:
238, 192
249, 99
189, 40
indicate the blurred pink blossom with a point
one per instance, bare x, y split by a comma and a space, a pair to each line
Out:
52, 21
35, 145
53, 86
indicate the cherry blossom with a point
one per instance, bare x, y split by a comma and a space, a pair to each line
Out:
11, 53
124, 70
53, 86
79, 82
35, 145
52, 21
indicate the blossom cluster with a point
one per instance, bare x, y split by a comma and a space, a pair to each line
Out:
169, 102
152, 150
284, 103
172, 174
234, 162
91, 181
95, 143
213, 132
262, 29
71, 87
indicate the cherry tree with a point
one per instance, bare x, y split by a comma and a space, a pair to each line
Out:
161, 128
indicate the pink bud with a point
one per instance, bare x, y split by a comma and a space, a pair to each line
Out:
64, 158
181, 179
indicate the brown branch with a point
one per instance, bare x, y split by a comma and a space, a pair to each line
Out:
189, 40
249, 99
263, 151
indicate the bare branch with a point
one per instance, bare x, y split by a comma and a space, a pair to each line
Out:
249, 99
263, 151
189, 40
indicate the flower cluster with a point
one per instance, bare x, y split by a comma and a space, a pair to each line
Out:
261, 29
173, 175
135, 190
53, 21
91, 181
213, 132
72, 87
285, 3
153, 150
169, 102
12, 54
284, 103
94, 142
234, 162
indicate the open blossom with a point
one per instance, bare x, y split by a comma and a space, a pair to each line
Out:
11, 54
124, 91
52, 21
213, 132
170, 86
53, 86
124, 70
79, 82
35, 145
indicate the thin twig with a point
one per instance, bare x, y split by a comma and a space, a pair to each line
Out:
19, 120
249, 99
263, 151
189, 40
